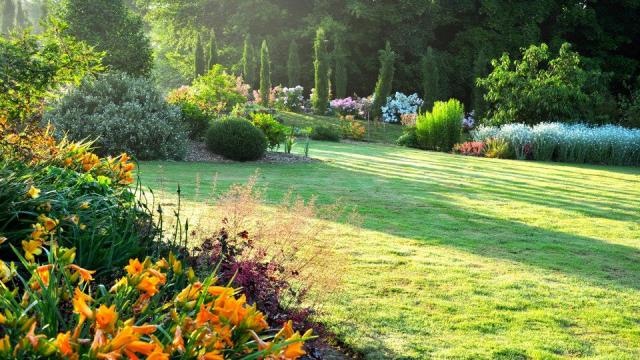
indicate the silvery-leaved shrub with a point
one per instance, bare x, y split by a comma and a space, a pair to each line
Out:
122, 114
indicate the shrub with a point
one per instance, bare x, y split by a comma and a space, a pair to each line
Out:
399, 105
470, 148
519, 137
123, 114
320, 96
236, 139
441, 128
217, 91
289, 99
325, 133
409, 138
630, 108
69, 315
61, 192
275, 132
542, 88
385, 79
497, 149
352, 129
344, 107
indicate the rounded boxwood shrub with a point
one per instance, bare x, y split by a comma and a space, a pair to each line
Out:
123, 114
236, 139
325, 133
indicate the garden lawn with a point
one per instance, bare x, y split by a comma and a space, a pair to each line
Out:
462, 257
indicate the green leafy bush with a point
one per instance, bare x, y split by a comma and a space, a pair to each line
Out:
409, 137
123, 114
194, 118
542, 88
497, 149
217, 91
236, 139
325, 133
275, 132
441, 128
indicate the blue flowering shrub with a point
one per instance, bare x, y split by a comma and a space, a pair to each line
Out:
400, 104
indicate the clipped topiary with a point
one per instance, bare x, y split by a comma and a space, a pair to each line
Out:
236, 139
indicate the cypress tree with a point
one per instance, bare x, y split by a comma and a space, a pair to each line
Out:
321, 66
293, 65
248, 63
385, 80
265, 74
480, 70
341, 71
8, 16
431, 90
213, 50
199, 58
21, 18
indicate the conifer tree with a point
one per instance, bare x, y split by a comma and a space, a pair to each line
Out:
8, 16
265, 74
431, 89
248, 62
22, 21
340, 71
213, 50
321, 66
480, 70
199, 58
385, 80
293, 65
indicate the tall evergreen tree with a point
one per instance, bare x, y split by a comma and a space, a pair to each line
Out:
340, 58
213, 50
385, 80
293, 65
199, 63
22, 21
8, 16
248, 63
431, 89
109, 26
265, 74
480, 70
321, 67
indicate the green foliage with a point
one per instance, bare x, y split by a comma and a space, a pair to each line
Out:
441, 128
35, 67
320, 100
630, 108
409, 138
540, 88
265, 74
8, 16
248, 62
195, 120
385, 80
497, 148
326, 133
275, 132
480, 70
213, 50
109, 26
430, 79
200, 66
216, 92
236, 139
293, 65
340, 58
21, 18
123, 114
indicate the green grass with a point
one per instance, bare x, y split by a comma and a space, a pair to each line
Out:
469, 258
376, 132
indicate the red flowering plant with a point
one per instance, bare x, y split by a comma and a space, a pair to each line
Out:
470, 148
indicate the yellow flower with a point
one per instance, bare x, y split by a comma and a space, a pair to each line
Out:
106, 317
82, 226
31, 249
6, 273
74, 219
39, 232
85, 275
85, 205
3, 319
33, 192
63, 344
2, 239
5, 345
134, 267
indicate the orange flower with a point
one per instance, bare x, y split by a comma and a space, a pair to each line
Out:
213, 355
134, 267
204, 316
178, 341
32, 337
149, 285
3, 319
231, 308
5, 345
85, 275
144, 329
63, 344
80, 304
48, 223
106, 317
158, 354
41, 275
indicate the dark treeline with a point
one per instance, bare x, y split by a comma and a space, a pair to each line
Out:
462, 33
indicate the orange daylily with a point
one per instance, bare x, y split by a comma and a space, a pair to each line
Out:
106, 317
48, 223
63, 344
204, 316
134, 267
85, 275
149, 285
80, 306
178, 341
31, 336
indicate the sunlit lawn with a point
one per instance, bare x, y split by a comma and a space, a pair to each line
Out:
464, 257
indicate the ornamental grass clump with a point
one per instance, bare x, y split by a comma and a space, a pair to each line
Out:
441, 128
